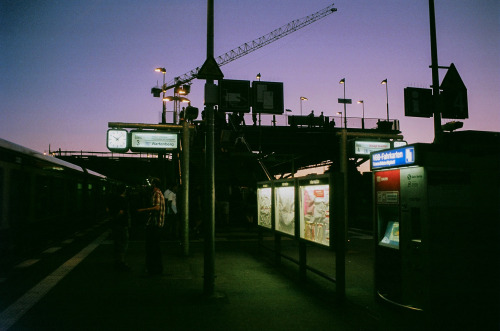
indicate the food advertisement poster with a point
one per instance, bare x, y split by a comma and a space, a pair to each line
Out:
315, 213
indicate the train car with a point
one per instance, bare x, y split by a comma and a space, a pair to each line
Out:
43, 198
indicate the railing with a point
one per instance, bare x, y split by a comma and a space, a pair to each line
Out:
86, 154
315, 121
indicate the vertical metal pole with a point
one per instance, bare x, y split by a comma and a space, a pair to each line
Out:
185, 185
435, 74
209, 265
302, 261
164, 104
340, 236
345, 115
387, 98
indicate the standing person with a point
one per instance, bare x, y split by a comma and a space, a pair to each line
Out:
171, 210
156, 219
118, 210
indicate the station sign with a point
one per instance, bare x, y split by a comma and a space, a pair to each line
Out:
152, 141
398, 157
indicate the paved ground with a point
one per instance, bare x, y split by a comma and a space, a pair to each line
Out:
251, 291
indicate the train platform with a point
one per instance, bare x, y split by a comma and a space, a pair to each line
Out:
73, 286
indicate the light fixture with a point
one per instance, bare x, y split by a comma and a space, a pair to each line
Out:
384, 82
363, 119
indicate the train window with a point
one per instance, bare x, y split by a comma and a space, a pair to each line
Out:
43, 196
20, 195
1, 199
58, 196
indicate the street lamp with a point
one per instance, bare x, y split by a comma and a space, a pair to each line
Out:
301, 99
384, 82
176, 98
164, 106
363, 120
342, 81
258, 76
340, 113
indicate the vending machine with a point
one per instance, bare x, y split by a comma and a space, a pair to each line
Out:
436, 222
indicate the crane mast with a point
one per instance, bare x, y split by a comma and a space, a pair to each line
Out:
255, 44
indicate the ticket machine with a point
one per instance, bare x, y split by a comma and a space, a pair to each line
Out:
436, 222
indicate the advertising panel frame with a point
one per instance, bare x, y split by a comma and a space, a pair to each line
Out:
315, 223
285, 220
265, 194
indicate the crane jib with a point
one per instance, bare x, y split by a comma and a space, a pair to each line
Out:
255, 44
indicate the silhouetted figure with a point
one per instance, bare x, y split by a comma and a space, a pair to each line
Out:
118, 209
156, 219
311, 119
170, 196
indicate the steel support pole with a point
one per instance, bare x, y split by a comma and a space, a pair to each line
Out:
185, 185
435, 74
343, 222
209, 257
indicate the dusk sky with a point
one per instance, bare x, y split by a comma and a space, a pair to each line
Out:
68, 67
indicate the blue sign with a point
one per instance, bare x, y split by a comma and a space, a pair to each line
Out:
393, 158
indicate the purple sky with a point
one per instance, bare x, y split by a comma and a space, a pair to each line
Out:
67, 68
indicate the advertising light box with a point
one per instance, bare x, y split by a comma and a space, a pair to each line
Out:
152, 141
284, 207
264, 205
314, 210
363, 147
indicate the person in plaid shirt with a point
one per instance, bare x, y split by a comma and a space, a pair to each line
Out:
156, 220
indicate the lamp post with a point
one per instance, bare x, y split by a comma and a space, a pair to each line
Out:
302, 99
176, 98
363, 119
340, 113
164, 106
384, 82
254, 119
342, 81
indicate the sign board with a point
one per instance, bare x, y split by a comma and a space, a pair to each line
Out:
152, 141
454, 95
363, 147
418, 102
234, 96
398, 157
348, 101
267, 97
210, 70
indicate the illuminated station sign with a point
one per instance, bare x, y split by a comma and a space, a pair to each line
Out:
393, 158
152, 141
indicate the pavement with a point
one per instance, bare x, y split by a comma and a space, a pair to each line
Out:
82, 290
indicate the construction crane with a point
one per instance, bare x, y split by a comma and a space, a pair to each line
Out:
253, 45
